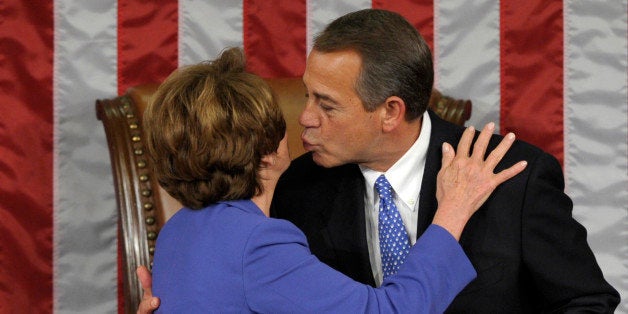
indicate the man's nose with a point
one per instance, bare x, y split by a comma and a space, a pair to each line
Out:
308, 117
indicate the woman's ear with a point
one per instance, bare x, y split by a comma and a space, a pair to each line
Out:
393, 113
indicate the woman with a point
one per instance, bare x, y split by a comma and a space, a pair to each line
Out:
217, 139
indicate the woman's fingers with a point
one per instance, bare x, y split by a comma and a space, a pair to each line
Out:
481, 145
472, 169
506, 174
466, 180
479, 148
465, 142
495, 156
500, 151
448, 155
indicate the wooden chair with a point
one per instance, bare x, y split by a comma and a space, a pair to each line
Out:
143, 207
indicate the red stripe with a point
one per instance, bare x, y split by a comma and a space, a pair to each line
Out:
147, 41
26, 156
147, 52
275, 37
532, 72
419, 13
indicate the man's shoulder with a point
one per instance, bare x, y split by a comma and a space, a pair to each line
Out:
444, 131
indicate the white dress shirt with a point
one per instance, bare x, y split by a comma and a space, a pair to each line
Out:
405, 178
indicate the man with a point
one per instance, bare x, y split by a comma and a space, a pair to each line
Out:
369, 78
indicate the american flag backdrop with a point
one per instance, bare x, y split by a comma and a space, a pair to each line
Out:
554, 72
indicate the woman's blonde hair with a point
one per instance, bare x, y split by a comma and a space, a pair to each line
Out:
207, 129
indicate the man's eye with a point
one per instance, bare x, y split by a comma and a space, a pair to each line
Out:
325, 107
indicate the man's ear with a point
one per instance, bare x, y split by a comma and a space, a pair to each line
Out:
393, 113
268, 160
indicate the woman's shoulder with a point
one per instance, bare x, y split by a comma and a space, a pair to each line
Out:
271, 233
231, 215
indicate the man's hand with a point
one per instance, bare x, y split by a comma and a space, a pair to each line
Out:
149, 303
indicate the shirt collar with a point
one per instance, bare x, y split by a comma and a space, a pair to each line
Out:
406, 174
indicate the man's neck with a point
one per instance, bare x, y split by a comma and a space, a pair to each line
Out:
395, 146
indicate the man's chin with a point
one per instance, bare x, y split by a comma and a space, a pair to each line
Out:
322, 161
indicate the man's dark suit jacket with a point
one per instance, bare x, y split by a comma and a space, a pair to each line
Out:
530, 254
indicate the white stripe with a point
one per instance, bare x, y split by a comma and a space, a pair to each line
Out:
208, 27
466, 55
467, 44
320, 13
596, 130
84, 263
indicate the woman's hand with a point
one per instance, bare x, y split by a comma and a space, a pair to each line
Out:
149, 303
465, 181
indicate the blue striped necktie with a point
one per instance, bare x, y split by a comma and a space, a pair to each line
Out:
393, 239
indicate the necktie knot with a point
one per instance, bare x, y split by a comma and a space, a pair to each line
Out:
383, 188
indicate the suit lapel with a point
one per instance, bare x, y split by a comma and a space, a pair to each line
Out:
346, 228
442, 131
